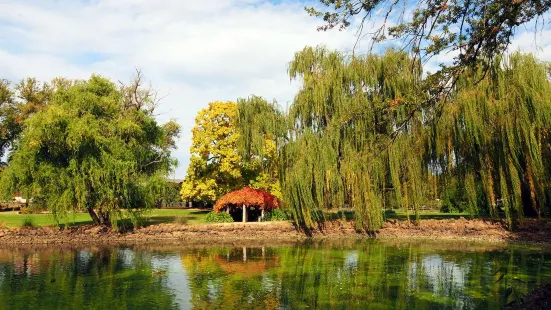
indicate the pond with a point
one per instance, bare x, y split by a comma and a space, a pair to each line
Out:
342, 274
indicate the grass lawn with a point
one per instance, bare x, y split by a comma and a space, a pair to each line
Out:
431, 215
156, 216
191, 217
424, 215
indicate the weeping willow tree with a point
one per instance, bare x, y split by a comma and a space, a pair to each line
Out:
363, 134
494, 137
96, 148
259, 124
349, 139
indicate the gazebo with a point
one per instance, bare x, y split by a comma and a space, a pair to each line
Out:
242, 200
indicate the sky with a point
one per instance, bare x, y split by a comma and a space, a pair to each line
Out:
192, 52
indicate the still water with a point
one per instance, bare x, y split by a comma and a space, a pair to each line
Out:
341, 274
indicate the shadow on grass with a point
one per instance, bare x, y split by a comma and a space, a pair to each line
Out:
199, 212
429, 216
339, 215
153, 220
349, 215
191, 216
72, 224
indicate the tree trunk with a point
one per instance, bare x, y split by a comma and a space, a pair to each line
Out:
94, 216
406, 199
244, 214
104, 218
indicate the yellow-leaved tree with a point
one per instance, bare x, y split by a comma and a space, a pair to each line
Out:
234, 145
215, 164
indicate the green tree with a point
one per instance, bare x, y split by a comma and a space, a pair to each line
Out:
19, 103
357, 137
476, 30
342, 123
497, 131
259, 124
234, 144
473, 31
95, 147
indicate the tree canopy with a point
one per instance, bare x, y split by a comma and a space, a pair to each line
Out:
259, 123
356, 137
215, 165
234, 145
95, 147
473, 29
17, 104
473, 32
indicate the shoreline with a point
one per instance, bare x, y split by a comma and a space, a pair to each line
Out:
531, 231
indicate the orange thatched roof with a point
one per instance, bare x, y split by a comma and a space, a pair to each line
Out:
249, 197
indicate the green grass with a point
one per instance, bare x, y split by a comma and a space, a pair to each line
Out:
193, 217
400, 215
431, 215
156, 216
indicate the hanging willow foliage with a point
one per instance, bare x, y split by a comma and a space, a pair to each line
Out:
259, 124
497, 131
257, 120
342, 120
360, 135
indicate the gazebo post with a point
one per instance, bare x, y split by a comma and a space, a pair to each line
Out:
261, 215
244, 214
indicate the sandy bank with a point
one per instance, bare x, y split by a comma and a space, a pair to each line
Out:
460, 229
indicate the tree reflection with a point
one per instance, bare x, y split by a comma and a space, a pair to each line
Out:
232, 278
97, 278
361, 275
327, 275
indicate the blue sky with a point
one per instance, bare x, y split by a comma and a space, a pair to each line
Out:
192, 52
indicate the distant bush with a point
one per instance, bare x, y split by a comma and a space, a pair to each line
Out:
30, 209
218, 217
28, 222
277, 215
390, 213
182, 219
450, 205
137, 219
317, 215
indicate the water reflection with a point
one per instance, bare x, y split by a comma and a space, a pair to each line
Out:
337, 275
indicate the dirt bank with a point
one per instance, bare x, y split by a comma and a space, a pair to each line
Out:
461, 229
154, 233
529, 230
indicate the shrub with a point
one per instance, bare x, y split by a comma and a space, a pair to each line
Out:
277, 215
453, 206
25, 210
182, 219
390, 213
218, 217
137, 219
28, 222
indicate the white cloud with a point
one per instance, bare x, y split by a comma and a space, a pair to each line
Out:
193, 51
